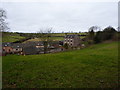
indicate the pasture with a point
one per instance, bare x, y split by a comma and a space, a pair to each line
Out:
12, 38
92, 67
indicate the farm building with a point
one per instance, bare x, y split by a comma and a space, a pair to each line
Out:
6, 48
30, 48
72, 40
17, 48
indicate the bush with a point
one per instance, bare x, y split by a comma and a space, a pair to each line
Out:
108, 33
65, 46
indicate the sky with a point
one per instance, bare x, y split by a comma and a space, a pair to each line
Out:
60, 16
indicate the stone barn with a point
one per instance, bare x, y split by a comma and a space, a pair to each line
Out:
72, 40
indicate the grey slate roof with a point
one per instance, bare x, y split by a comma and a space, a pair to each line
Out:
32, 43
17, 45
6, 44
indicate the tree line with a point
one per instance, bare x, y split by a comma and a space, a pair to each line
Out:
97, 36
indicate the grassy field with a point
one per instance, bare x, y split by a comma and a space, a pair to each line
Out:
53, 38
92, 67
58, 38
15, 37
63, 34
12, 38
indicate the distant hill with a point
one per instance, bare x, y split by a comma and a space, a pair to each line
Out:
13, 37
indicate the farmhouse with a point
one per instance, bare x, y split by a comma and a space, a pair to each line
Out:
17, 48
55, 47
30, 48
72, 40
6, 48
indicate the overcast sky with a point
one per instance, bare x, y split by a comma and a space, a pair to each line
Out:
61, 16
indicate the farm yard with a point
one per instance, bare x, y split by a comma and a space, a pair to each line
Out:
93, 67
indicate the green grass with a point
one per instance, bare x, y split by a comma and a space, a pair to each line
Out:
52, 38
63, 34
12, 38
15, 37
92, 67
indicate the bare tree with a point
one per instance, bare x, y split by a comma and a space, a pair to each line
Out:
94, 28
3, 24
45, 36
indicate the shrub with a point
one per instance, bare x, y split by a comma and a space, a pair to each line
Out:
65, 46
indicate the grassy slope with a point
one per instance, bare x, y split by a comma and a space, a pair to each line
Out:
53, 38
58, 38
63, 34
91, 67
12, 38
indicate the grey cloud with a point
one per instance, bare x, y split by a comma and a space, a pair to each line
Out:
29, 17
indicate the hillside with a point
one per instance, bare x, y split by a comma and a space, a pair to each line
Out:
11, 37
58, 36
92, 67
